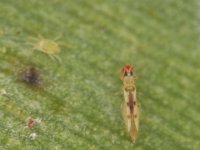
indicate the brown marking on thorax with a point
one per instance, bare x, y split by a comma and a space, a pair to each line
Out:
131, 102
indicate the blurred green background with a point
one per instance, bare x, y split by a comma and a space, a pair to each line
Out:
79, 99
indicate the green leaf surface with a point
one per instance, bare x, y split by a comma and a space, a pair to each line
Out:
79, 98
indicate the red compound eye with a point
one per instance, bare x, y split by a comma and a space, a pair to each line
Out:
127, 69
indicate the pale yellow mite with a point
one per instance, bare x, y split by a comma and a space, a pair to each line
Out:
130, 106
47, 46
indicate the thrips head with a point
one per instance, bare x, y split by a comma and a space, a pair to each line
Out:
127, 71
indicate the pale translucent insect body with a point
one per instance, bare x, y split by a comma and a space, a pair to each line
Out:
50, 47
130, 106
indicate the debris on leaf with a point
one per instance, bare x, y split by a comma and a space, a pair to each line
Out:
31, 76
33, 136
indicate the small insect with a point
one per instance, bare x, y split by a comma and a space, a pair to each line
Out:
47, 46
130, 107
31, 122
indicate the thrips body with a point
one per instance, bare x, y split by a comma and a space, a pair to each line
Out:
130, 106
